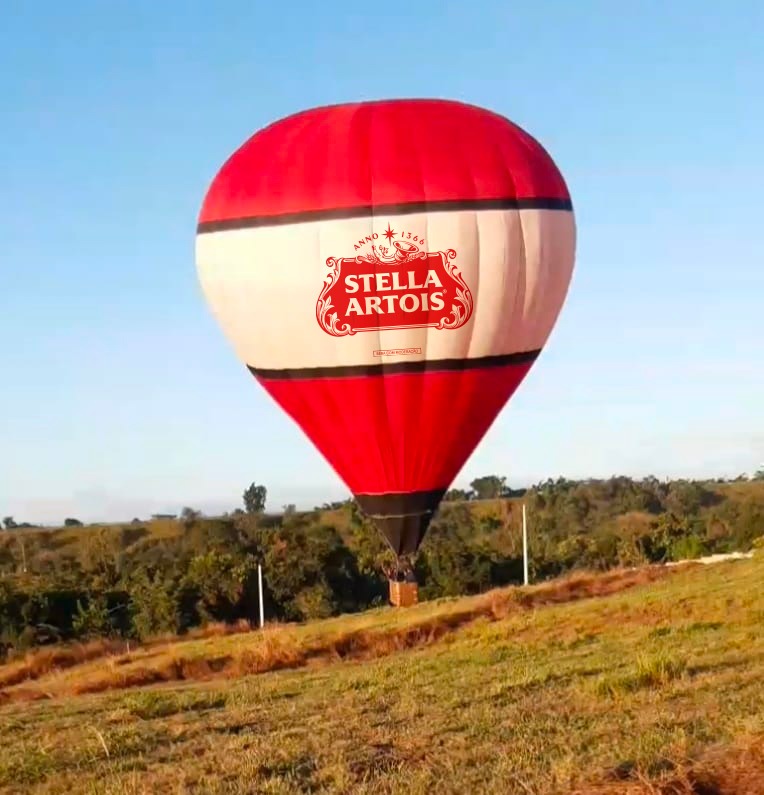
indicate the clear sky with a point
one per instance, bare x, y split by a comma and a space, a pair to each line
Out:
120, 396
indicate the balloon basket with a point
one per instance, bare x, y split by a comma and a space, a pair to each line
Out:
403, 593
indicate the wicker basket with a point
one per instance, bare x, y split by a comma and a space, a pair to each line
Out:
403, 593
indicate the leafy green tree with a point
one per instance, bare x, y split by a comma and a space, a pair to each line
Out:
687, 497
629, 552
101, 557
749, 525
93, 619
449, 562
221, 582
688, 548
315, 601
188, 516
301, 556
488, 487
9, 523
70, 522
153, 606
254, 498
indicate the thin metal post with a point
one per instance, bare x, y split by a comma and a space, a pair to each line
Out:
525, 547
23, 555
260, 591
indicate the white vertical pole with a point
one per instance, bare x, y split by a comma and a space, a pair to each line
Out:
525, 547
260, 591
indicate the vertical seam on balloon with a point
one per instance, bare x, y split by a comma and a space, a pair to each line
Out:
545, 274
376, 391
420, 464
334, 403
523, 273
398, 461
542, 218
522, 267
501, 163
294, 142
537, 280
506, 252
460, 397
517, 268
385, 455
476, 221
476, 297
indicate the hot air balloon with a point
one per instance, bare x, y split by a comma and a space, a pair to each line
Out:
389, 271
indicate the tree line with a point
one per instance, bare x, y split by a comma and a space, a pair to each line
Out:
169, 574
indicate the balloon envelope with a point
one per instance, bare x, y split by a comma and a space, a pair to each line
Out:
389, 271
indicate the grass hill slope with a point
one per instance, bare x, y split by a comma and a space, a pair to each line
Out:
632, 681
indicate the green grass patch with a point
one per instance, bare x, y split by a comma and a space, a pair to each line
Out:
159, 704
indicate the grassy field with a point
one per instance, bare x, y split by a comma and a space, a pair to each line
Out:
629, 682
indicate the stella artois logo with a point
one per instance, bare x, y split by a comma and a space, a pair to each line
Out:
395, 286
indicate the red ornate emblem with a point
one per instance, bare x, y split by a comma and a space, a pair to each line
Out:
381, 289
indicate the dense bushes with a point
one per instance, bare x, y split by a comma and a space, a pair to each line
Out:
168, 575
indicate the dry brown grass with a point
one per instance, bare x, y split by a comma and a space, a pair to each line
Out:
725, 770
217, 629
39, 662
43, 661
736, 771
278, 647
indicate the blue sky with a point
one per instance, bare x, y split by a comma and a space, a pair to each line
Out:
120, 396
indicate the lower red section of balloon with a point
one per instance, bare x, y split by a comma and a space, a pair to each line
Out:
398, 433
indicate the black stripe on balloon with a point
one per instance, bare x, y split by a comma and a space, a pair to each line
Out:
411, 503
341, 213
402, 518
395, 368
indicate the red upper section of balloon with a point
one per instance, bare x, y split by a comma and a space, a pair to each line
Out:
390, 152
